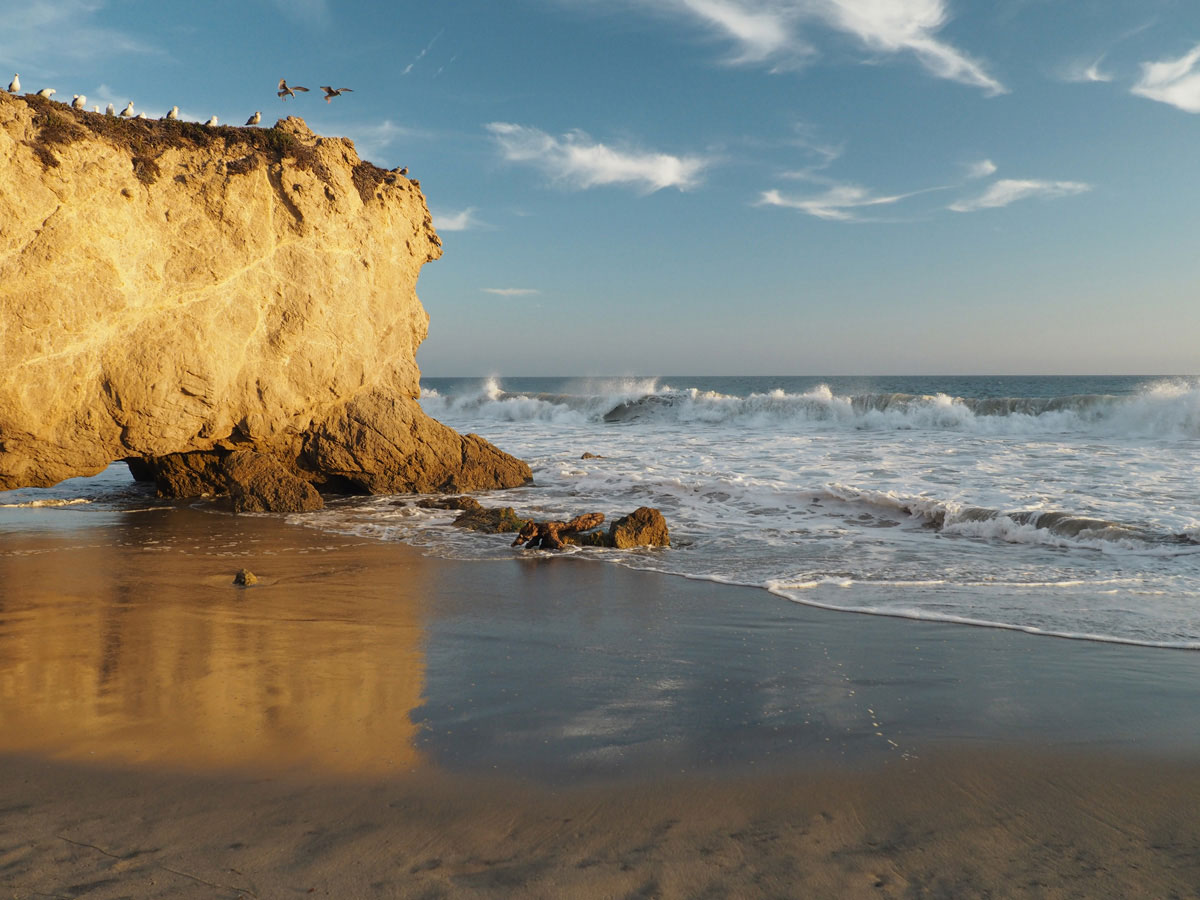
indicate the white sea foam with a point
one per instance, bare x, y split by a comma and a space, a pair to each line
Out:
47, 503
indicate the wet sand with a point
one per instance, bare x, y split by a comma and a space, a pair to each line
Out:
367, 722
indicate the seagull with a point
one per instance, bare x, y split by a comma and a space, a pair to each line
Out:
15, 84
173, 113
212, 121
110, 110
46, 92
79, 102
140, 115
95, 109
284, 91
330, 93
127, 112
254, 119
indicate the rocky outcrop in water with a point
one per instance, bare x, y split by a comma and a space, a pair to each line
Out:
233, 310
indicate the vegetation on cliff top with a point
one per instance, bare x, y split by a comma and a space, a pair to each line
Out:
145, 140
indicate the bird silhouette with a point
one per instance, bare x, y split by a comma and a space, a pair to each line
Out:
330, 93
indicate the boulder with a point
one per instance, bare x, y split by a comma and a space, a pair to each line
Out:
644, 527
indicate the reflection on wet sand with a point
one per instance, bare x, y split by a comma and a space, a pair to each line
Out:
132, 645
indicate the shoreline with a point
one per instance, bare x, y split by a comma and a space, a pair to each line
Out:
369, 721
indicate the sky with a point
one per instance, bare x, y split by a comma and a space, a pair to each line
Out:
728, 186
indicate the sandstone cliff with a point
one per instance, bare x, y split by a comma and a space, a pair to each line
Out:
230, 309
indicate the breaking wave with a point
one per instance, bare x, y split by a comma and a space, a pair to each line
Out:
1165, 409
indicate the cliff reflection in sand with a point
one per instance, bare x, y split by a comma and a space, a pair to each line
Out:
146, 654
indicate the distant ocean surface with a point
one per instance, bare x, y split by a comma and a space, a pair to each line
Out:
1065, 506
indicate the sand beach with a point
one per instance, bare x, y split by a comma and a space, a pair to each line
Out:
366, 721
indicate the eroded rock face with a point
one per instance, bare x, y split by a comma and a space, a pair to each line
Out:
177, 294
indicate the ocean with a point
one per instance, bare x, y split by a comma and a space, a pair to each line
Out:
1062, 506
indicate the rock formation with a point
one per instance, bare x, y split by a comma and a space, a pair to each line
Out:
232, 310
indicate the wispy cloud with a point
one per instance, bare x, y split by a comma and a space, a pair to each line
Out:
838, 203
421, 55
511, 292
1010, 190
981, 169
311, 12
1173, 81
462, 220
771, 32
1083, 72
579, 162
894, 26
372, 140
761, 31
42, 35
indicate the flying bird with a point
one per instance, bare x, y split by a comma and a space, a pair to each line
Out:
172, 113
110, 110
330, 93
46, 92
15, 84
79, 102
285, 91
127, 112
254, 119
212, 121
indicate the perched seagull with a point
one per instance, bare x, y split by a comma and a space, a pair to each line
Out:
46, 92
172, 113
140, 115
110, 110
15, 84
212, 121
330, 93
284, 91
254, 119
127, 112
95, 109
79, 102
404, 171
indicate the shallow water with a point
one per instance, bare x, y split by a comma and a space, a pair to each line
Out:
1063, 506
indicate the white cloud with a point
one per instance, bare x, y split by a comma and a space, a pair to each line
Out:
837, 203
894, 26
511, 292
981, 169
769, 31
1010, 190
462, 220
1172, 81
578, 161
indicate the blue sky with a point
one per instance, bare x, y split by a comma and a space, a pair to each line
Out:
729, 186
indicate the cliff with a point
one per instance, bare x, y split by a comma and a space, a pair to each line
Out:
229, 309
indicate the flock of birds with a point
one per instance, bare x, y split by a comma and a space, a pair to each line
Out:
79, 101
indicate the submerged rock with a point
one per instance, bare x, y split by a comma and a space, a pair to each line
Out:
186, 293
245, 578
491, 520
